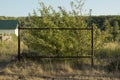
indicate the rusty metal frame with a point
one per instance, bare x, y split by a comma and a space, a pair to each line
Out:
88, 56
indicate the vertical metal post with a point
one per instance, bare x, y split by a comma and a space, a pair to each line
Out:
92, 43
18, 43
92, 48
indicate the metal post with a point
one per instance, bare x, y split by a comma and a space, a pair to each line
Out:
92, 47
18, 44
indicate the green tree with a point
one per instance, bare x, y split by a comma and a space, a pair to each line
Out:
56, 42
106, 26
116, 31
107, 30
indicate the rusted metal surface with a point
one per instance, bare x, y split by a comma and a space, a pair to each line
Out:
55, 28
18, 44
88, 56
92, 47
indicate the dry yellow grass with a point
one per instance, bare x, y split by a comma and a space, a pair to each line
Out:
10, 47
112, 45
29, 70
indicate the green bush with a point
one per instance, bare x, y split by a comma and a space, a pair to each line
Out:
57, 42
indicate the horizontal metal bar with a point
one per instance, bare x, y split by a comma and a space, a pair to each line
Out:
56, 28
88, 56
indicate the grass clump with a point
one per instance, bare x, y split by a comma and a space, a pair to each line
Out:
109, 56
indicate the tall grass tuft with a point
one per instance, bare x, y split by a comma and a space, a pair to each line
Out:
108, 56
10, 46
111, 49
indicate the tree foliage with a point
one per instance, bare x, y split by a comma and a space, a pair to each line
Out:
58, 42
